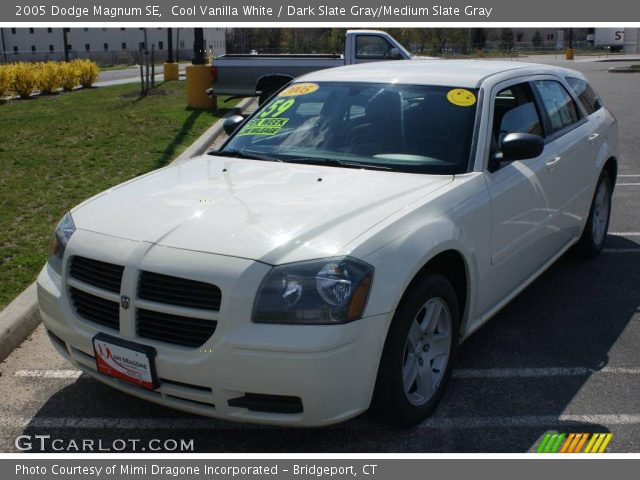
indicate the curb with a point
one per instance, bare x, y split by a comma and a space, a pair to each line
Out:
610, 60
18, 320
22, 316
623, 70
203, 143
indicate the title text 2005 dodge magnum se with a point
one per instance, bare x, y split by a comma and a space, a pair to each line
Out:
337, 248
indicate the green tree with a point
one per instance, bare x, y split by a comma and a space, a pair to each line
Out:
478, 38
506, 40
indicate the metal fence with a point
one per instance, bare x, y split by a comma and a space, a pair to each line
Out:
101, 57
519, 50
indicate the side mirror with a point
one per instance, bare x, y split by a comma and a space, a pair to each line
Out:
232, 123
517, 146
520, 146
395, 54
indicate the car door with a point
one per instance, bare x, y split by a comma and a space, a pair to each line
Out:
570, 156
522, 200
592, 140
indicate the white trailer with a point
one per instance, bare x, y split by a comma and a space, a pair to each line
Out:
607, 37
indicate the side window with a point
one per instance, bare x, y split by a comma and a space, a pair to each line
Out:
514, 111
588, 98
372, 46
558, 104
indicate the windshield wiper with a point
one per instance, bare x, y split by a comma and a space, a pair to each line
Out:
333, 162
243, 154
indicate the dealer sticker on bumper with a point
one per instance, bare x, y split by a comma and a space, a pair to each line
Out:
126, 361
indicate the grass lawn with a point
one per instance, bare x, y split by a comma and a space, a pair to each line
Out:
58, 150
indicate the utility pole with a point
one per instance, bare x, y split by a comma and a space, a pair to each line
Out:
4, 48
146, 60
178, 45
570, 37
569, 53
170, 45
65, 41
153, 66
199, 76
171, 69
198, 46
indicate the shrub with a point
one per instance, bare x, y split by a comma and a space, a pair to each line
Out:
87, 72
25, 78
49, 76
69, 75
6, 80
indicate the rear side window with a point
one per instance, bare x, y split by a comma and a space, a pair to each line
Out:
587, 96
557, 102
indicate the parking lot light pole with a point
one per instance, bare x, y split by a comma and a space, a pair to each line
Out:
198, 46
171, 68
65, 42
569, 53
199, 76
4, 48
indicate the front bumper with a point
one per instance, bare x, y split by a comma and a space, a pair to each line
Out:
331, 368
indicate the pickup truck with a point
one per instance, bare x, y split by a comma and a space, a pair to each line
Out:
248, 75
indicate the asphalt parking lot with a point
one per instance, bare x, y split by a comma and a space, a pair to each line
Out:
562, 356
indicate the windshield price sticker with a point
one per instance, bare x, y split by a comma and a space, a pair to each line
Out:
264, 126
269, 121
298, 89
277, 107
461, 97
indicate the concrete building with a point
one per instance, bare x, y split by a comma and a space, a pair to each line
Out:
108, 46
549, 37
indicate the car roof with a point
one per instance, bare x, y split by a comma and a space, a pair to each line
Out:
459, 73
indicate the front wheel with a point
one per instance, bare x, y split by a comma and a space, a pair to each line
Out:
594, 235
419, 352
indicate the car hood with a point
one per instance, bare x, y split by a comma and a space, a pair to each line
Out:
267, 211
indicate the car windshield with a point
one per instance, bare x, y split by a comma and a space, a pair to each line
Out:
409, 128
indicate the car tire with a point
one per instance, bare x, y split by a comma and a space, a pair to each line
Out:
421, 343
594, 236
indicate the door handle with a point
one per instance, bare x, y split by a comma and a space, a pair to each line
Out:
552, 161
593, 136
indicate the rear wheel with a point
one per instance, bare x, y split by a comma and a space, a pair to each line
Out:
419, 353
594, 235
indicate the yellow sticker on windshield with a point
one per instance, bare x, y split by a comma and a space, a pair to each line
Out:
299, 89
461, 97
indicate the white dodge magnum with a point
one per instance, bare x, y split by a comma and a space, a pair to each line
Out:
331, 256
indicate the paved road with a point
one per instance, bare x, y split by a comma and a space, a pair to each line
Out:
129, 75
564, 355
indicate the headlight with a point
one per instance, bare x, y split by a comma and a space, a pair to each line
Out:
326, 291
61, 236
